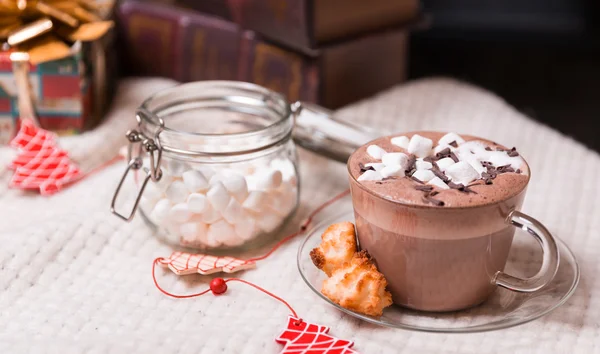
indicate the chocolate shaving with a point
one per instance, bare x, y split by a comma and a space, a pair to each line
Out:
416, 179
504, 169
424, 188
434, 193
444, 153
363, 168
453, 157
378, 183
461, 187
453, 144
488, 181
433, 201
436, 171
518, 170
412, 159
513, 152
489, 175
487, 148
486, 163
389, 177
429, 159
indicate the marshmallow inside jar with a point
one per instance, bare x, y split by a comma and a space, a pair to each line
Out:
229, 169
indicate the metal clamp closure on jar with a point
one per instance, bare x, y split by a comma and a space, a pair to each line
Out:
149, 146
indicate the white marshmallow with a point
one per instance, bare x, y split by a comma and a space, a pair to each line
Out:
197, 202
146, 203
216, 178
210, 215
251, 182
256, 201
423, 175
153, 191
476, 164
194, 181
179, 213
282, 202
160, 211
420, 146
473, 148
450, 137
436, 181
370, 175
501, 158
395, 159
268, 221
392, 170
376, 165
236, 186
194, 232
246, 228
206, 171
444, 163
177, 192
174, 168
268, 179
218, 196
423, 165
462, 172
233, 212
375, 151
401, 141
222, 232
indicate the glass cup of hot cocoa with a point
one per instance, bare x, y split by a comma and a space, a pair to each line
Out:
437, 212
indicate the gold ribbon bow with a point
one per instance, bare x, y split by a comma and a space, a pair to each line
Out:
46, 29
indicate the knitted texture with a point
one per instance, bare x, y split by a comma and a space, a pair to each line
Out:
75, 279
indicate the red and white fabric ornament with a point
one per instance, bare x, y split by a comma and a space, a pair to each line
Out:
40, 164
303, 337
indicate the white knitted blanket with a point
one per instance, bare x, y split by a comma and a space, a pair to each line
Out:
75, 279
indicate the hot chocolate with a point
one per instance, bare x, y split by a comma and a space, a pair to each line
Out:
484, 158
431, 210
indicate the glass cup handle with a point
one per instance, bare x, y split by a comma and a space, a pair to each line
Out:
550, 256
317, 130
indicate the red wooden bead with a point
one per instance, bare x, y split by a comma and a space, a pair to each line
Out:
218, 286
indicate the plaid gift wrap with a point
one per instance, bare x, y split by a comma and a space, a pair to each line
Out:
60, 90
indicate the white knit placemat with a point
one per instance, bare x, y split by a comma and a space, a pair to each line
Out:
75, 279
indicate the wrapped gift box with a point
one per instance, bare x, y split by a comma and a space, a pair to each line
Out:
70, 94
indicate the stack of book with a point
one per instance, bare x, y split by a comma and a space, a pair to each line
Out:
330, 52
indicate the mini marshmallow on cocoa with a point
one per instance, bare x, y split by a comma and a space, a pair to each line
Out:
423, 165
444, 163
420, 146
395, 159
400, 141
462, 172
375, 151
437, 182
392, 171
423, 175
450, 138
370, 175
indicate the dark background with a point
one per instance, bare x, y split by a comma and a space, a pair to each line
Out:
542, 56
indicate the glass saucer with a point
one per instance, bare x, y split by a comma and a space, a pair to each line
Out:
503, 309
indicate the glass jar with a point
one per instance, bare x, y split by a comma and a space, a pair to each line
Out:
216, 164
